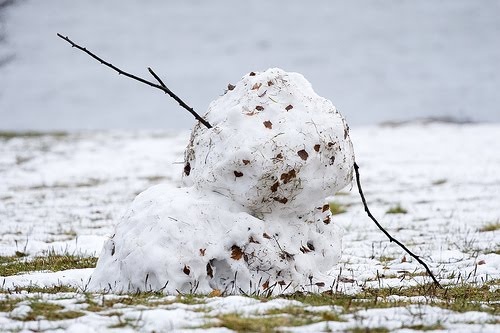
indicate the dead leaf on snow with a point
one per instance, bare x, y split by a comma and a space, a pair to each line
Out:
236, 252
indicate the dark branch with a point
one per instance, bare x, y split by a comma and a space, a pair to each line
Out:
180, 101
392, 239
162, 86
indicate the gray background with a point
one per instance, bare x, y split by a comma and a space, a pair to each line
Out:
376, 60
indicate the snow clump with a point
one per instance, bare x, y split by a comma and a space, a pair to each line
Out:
251, 215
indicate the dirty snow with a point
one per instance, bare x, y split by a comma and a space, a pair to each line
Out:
255, 213
64, 193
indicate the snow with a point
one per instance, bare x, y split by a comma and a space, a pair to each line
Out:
446, 176
253, 216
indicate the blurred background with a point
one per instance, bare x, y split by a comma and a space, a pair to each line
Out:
377, 61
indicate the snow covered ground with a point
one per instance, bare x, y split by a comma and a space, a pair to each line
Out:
63, 193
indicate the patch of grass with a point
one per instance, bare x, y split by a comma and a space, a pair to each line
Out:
301, 312
37, 289
147, 299
386, 259
52, 262
460, 297
8, 304
327, 298
493, 226
396, 210
439, 181
264, 324
337, 208
7, 135
50, 311
368, 330
421, 327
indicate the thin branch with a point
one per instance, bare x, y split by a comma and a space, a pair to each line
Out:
392, 239
180, 101
161, 86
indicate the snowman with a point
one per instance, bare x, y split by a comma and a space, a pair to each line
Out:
251, 215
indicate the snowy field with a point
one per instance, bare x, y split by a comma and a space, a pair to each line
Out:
61, 194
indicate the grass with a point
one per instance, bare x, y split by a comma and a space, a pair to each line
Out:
421, 327
8, 304
33, 289
396, 210
460, 297
7, 135
146, 299
50, 311
11, 265
493, 226
439, 181
268, 323
337, 208
368, 330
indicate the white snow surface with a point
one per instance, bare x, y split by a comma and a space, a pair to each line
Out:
256, 215
64, 193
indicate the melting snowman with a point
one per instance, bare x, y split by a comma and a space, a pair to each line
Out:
251, 216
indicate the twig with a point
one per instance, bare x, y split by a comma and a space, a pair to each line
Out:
392, 239
161, 86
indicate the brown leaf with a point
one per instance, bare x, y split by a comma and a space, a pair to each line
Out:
236, 252
202, 252
252, 74
263, 94
252, 240
269, 83
215, 293
325, 208
246, 162
281, 200
327, 220
259, 108
281, 283
275, 186
279, 156
266, 236
316, 147
320, 284
289, 107
230, 87
481, 262
210, 271
310, 246
256, 86
238, 174
287, 176
187, 169
186, 270
303, 154
403, 259
268, 124
265, 285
